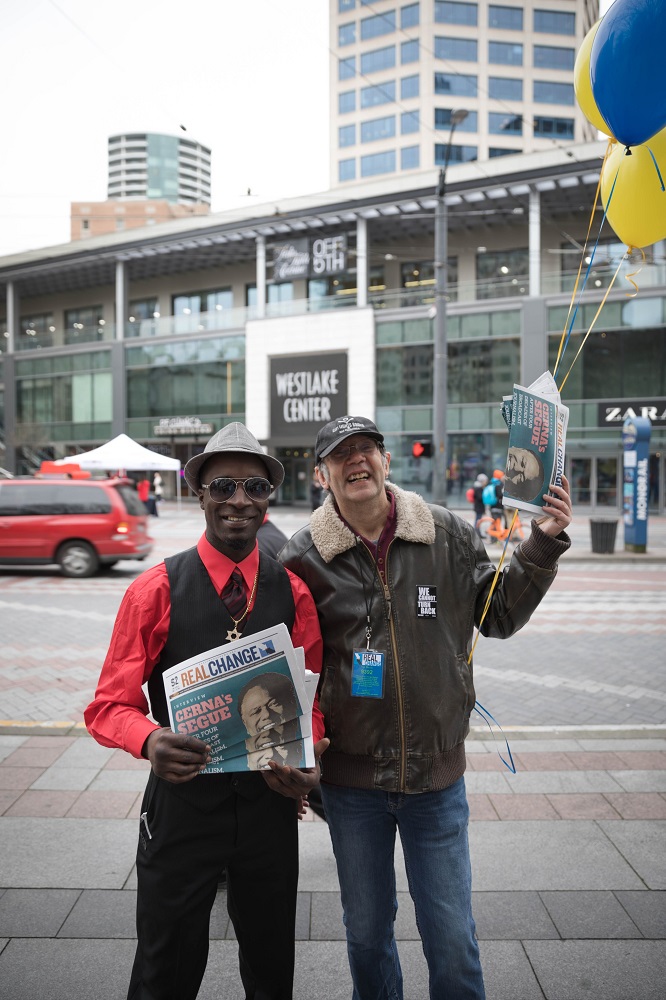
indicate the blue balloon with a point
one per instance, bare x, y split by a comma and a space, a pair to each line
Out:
628, 69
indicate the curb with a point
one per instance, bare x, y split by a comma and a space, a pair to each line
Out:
65, 727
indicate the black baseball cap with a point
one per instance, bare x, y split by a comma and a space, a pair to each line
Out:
335, 431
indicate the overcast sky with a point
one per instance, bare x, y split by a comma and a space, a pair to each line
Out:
248, 78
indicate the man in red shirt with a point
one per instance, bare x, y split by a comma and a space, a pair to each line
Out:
192, 830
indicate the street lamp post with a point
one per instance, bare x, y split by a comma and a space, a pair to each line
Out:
440, 389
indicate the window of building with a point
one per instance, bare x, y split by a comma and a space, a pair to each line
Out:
554, 22
409, 122
85, 324
409, 87
454, 12
504, 88
378, 128
410, 158
456, 84
443, 120
197, 310
418, 278
501, 123
347, 170
344, 5
478, 369
142, 318
409, 51
184, 386
495, 151
278, 291
381, 93
456, 154
502, 273
377, 25
409, 16
378, 59
549, 128
378, 163
464, 49
346, 136
404, 375
346, 102
35, 331
347, 33
347, 68
505, 53
549, 92
507, 18
554, 57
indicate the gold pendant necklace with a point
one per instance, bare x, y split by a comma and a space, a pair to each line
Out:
233, 633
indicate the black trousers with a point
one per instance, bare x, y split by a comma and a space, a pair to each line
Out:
178, 869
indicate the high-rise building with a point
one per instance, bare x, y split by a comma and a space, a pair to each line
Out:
145, 165
152, 179
402, 69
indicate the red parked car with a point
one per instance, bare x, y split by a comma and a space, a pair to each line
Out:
80, 525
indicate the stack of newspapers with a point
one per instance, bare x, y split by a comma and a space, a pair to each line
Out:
250, 700
537, 422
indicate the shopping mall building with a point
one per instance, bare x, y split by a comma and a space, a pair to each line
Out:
287, 314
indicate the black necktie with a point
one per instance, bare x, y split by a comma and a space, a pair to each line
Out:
233, 595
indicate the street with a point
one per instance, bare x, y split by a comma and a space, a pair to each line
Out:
592, 655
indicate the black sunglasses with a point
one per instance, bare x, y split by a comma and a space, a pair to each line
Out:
223, 489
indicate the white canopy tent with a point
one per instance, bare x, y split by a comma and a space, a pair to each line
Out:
124, 453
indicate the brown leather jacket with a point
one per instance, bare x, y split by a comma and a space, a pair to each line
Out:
411, 739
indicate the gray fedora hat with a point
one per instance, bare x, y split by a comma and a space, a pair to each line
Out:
232, 438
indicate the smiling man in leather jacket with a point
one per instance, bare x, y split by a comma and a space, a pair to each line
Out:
399, 586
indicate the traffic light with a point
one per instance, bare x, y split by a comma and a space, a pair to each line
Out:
422, 449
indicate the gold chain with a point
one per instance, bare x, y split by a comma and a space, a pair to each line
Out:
249, 603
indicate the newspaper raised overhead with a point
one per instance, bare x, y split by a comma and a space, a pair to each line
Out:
537, 422
250, 700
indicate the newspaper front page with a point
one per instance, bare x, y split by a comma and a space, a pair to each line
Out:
537, 422
250, 700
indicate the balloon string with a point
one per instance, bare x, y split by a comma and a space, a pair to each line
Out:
570, 320
630, 276
656, 167
493, 585
596, 316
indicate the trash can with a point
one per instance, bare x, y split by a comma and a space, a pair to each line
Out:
603, 535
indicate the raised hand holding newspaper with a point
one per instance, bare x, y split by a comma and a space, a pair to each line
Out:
250, 700
537, 422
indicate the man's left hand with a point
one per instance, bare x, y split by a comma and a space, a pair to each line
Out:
294, 782
558, 509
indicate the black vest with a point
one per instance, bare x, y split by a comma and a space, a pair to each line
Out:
199, 621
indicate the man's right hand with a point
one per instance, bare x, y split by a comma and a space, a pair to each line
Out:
175, 758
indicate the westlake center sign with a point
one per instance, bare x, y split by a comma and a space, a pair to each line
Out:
306, 392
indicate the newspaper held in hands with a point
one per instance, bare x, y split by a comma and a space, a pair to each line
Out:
250, 700
537, 422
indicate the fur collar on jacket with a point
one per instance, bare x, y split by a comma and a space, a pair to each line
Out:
331, 536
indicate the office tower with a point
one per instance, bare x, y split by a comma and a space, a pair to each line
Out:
169, 168
401, 70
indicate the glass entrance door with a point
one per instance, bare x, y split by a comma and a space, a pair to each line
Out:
606, 482
580, 474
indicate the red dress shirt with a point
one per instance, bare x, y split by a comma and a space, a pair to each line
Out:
117, 716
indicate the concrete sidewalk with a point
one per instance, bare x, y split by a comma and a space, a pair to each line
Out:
569, 861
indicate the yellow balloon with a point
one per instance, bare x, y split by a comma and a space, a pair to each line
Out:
637, 209
582, 85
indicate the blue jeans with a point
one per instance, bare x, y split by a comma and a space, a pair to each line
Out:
433, 831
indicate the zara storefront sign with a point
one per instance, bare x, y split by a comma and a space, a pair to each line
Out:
174, 426
306, 392
309, 258
611, 414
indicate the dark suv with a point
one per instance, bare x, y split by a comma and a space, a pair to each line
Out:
78, 524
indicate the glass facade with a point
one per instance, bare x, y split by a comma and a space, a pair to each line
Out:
61, 398
204, 377
85, 325
35, 332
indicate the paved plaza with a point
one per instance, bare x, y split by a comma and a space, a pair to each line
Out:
569, 853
